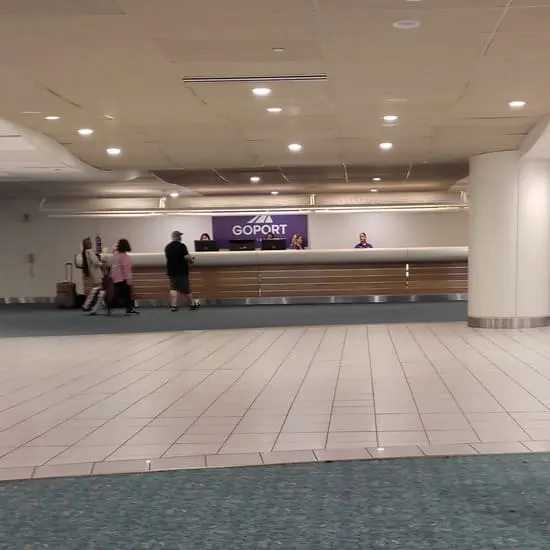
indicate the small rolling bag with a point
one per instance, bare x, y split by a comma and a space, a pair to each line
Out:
65, 296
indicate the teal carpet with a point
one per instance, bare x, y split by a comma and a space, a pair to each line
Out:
438, 504
16, 321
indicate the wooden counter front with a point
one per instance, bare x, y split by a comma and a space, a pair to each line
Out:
233, 277
286, 281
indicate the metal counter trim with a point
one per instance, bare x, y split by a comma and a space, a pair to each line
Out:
272, 301
508, 322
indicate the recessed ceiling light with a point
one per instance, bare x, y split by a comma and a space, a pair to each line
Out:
295, 147
85, 131
406, 24
374, 190
376, 179
174, 194
517, 104
109, 117
386, 146
277, 50
274, 109
255, 179
274, 192
261, 92
52, 117
113, 151
390, 118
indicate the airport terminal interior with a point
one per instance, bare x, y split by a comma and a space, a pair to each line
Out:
275, 274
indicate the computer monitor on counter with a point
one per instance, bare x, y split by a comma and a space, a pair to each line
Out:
242, 244
274, 244
206, 246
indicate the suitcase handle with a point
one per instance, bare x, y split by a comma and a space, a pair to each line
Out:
69, 272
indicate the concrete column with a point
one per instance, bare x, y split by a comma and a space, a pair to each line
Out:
509, 242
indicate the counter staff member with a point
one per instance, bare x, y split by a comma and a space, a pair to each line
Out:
297, 242
177, 269
205, 237
363, 243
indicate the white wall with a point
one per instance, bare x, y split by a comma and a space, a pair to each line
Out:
389, 229
54, 241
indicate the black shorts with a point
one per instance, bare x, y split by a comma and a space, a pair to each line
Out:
180, 283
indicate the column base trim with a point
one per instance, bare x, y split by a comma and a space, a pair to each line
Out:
508, 322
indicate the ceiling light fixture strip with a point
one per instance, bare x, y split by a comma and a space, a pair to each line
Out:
257, 210
255, 79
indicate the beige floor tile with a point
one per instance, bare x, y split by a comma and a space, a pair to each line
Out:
288, 457
454, 422
79, 454
452, 436
13, 474
448, 450
227, 421
531, 418
233, 460
211, 430
196, 439
307, 424
361, 411
300, 441
109, 436
61, 437
498, 427
156, 435
144, 397
402, 439
539, 431
64, 470
183, 423
395, 452
350, 440
249, 443
329, 455
131, 452
537, 446
352, 423
260, 424
500, 448
192, 449
178, 463
398, 423
120, 467
29, 456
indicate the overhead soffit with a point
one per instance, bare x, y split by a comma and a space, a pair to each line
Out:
449, 81
320, 180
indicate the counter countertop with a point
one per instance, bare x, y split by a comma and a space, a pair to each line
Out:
304, 257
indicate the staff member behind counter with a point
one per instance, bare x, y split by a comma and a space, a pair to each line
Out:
297, 242
363, 243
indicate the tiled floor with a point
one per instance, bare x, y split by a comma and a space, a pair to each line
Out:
138, 402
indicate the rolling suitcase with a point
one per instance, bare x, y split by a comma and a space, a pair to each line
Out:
65, 296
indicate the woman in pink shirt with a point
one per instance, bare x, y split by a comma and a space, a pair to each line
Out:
122, 276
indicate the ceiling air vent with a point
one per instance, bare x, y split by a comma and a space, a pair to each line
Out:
255, 79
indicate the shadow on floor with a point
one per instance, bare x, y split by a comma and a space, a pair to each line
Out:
486, 502
18, 321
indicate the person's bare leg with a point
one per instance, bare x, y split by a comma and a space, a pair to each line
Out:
174, 300
190, 300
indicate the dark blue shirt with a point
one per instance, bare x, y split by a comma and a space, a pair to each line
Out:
361, 245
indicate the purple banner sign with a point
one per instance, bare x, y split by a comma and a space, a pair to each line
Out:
226, 228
